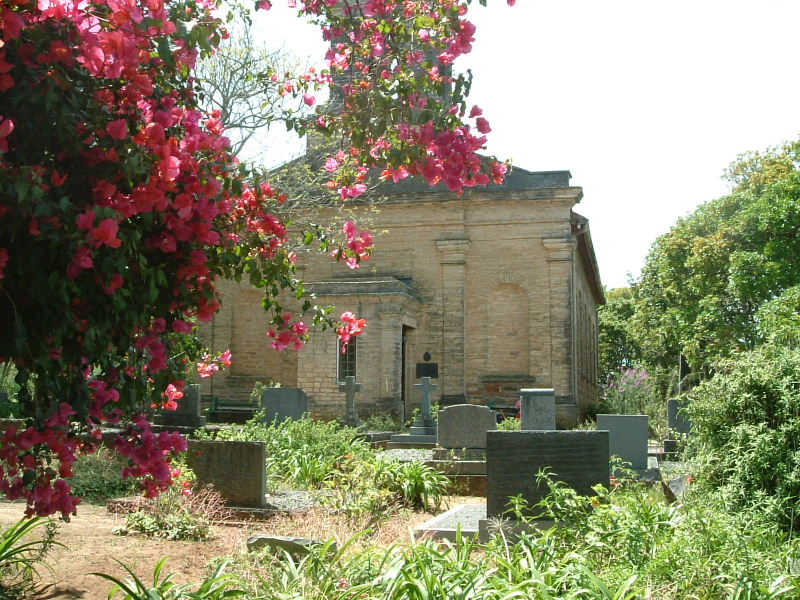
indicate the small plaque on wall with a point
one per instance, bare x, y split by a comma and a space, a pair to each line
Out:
427, 369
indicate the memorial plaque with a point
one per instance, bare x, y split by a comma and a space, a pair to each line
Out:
428, 370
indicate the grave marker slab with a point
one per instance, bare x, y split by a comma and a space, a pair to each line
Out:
237, 470
465, 426
513, 459
280, 404
537, 409
677, 421
188, 413
627, 437
350, 387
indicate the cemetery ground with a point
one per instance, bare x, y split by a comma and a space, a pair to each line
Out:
625, 541
91, 545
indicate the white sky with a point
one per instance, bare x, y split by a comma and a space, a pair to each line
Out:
645, 102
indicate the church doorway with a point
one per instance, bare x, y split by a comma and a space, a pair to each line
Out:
405, 374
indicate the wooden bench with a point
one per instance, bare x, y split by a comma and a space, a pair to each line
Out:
222, 411
507, 411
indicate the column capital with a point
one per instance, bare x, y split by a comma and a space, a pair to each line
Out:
559, 248
454, 252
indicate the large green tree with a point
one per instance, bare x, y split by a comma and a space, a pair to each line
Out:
704, 281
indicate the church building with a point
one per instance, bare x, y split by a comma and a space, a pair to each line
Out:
491, 291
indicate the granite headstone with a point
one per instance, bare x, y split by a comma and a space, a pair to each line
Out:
465, 426
280, 404
627, 437
514, 458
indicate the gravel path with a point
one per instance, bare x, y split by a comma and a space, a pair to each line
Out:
408, 454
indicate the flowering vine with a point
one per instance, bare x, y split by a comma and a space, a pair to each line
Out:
121, 204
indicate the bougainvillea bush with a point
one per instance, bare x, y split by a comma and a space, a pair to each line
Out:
121, 204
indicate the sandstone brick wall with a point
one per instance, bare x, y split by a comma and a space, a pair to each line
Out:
497, 295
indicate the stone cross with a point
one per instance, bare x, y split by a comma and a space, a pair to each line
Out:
350, 387
425, 417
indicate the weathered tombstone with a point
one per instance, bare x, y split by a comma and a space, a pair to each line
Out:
537, 409
514, 458
237, 470
465, 426
627, 437
676, 419
350, 387
424, 429
188, 413
425, 419
280, 404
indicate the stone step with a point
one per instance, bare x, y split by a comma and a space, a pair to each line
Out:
408, 445
411, 438
458, 467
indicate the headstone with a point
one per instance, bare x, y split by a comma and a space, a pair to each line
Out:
350, 387
295, 546
280, 404
188, 413
676, 419
627, 437
538, 409
514, 458
237, 470
465, 426
425, 417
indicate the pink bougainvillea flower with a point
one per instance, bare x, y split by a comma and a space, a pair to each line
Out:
225, 358
118, 129
105, 233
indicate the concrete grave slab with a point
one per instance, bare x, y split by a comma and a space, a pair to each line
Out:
237, 470
280, 404
465, 426
514, 458
537, 409
627, 437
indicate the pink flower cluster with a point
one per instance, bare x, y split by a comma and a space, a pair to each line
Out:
288, 334
209, 365
149, 454
358, 245
21, 461
351, 327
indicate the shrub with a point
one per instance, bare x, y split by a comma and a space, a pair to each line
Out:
304, 452
382, 422
746, 431
217, 586
179, 514
98, 477
20, 559
633, 391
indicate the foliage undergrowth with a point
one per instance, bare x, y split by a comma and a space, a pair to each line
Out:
179, 514
98, 477
20, 558
746, 433
620, 544
325, 455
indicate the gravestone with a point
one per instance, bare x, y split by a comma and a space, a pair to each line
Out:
280, 404
513, 459
425, 424
676, 419
465, 426
188, 413
537, 409
237, 470
627, 437
423, 431
350, 387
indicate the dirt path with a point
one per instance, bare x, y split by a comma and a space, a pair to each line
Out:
90, 545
